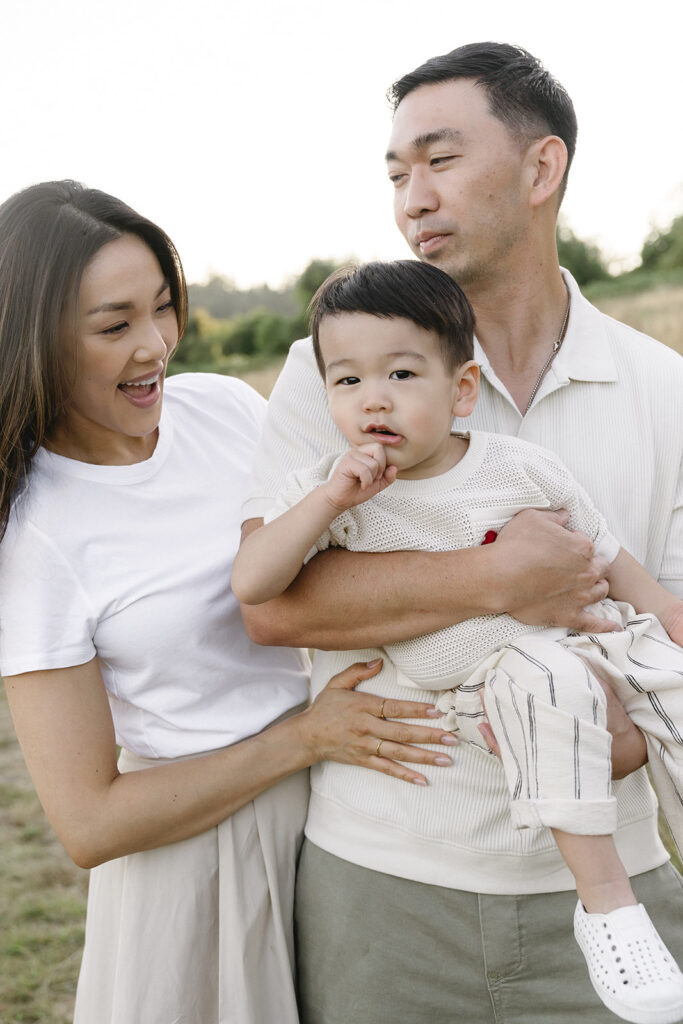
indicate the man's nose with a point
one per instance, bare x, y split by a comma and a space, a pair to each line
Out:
420, 196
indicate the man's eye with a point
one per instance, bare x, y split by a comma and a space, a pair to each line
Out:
397, 179
437, 160
401, 375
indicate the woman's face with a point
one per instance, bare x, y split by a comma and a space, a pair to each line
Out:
126, 331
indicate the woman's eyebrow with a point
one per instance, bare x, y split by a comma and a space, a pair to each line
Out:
115, 307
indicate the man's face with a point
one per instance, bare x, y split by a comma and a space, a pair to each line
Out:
457, 171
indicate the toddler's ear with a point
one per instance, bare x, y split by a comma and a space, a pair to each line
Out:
466, 389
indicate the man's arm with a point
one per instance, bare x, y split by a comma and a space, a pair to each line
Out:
629, 581
342, 600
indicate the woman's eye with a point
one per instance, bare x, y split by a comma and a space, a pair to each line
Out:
166, 306
401, 375
116, 329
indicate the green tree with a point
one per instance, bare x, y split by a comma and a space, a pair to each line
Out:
258, 334
199, 344
663, 250
310, 280
305, 287
583, 260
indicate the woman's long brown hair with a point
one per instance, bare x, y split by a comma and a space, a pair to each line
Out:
48, 235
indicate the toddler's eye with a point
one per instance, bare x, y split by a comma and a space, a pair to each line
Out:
349, 380
401, 375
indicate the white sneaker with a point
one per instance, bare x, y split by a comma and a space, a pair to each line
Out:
632, 971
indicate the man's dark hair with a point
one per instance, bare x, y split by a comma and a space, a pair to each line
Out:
405, 288
521, 92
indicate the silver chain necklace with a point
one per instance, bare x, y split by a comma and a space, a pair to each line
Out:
556, 348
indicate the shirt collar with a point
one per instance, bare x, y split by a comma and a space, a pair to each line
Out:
586, 353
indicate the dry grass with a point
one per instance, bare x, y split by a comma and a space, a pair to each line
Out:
42, 901
264, 379
657, 312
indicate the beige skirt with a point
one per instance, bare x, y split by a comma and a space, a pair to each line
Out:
199, 932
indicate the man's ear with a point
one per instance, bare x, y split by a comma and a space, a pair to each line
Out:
466, 389
546, 162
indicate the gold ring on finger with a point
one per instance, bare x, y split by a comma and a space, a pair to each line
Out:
378, 752
381, 708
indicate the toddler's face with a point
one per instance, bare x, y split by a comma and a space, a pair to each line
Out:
386, 381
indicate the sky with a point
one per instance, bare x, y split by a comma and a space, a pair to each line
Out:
254, 132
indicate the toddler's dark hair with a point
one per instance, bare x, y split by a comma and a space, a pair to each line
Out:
404, 288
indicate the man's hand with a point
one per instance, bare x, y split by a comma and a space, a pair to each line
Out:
551, 574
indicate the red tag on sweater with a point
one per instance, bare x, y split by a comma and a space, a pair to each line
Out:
489, 537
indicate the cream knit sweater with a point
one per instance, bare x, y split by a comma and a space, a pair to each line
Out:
498, 477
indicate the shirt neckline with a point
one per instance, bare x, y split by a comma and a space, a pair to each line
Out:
130, 474
453, 477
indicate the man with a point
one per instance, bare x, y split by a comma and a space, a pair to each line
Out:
481, 143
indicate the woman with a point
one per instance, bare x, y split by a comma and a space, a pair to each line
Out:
117, 625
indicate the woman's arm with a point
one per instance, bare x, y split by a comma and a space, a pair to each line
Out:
537, 571
64, 725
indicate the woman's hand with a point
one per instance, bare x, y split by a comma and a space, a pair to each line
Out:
358, 728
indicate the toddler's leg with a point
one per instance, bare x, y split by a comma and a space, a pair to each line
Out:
602, 883
548, 714
645, 669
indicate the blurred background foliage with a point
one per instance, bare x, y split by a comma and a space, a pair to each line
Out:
243, 332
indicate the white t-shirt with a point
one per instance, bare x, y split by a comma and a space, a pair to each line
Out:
611, 407
497, 477
132, 563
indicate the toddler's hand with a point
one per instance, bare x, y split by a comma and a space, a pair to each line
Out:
360, 474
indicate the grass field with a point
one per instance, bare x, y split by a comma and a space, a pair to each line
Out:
657, 312
42, 901
42, 894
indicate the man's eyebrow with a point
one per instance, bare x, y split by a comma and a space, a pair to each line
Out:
116, 307
426, 139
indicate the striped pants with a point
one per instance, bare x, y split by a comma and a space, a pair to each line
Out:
548, 713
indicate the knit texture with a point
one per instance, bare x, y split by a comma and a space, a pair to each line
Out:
498, 477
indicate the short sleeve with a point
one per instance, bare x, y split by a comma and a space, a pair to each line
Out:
45, 618
297, 486
563, 491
